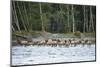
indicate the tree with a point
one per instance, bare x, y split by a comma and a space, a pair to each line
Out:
87, 25
91, 19
68, 18
51, 17
26, 17
73, 20
13, 28
23, 22
84, 19
41, 17
15, 16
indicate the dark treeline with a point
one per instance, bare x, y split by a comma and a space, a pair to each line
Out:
52, 17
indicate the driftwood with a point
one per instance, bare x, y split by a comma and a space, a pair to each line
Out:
21, 36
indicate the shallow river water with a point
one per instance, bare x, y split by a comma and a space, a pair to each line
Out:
26, 55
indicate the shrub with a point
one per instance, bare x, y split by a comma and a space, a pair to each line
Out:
77, 33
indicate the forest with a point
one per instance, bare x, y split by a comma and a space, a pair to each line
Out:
52, 17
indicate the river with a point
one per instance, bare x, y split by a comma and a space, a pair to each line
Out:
26, 55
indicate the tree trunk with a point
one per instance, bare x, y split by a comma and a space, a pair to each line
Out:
13, 28
87, 20
21, 17
68, 18
15, 16
73, 20
91, 19
30, 17
26, 17
41, 17
84, 19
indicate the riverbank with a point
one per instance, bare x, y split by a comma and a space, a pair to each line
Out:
36, 34
52, 39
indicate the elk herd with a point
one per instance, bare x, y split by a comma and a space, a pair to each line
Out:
53, 42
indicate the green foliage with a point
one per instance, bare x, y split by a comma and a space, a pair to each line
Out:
77, 33
28, 16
